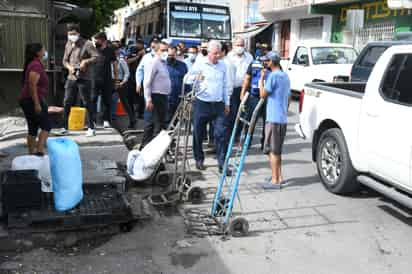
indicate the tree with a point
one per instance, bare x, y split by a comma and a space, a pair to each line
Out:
103, 12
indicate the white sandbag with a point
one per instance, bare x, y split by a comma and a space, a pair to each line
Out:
136, 166
26, 162
45, 176
142, 164
156, 149
41, 164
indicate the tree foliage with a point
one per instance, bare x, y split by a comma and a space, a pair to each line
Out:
103, 11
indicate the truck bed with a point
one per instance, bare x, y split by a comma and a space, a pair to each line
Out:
355, 89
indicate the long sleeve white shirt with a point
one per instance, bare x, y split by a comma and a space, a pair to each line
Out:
241, 64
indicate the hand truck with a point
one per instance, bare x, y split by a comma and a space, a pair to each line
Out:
228, 187
181, 128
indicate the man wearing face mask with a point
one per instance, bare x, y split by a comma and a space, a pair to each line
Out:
241, 59
141, 69
157, 87
177, 70
192, 53
104, 84
134, 56
202, 56
79, 54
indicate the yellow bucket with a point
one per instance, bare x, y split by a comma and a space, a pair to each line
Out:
77, 118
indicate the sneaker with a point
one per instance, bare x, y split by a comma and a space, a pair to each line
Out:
200, 166
106, 124
62, 132
90, 133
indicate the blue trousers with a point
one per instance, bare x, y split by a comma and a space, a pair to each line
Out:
251, 104
204, 113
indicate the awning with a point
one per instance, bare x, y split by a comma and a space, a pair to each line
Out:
251, 32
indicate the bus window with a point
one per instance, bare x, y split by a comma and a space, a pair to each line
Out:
185, 24
216, 26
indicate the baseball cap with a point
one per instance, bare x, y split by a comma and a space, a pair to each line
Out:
271, 56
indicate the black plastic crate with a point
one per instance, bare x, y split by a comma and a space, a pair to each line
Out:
101, 206
20, 190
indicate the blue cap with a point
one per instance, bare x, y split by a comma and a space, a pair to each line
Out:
271, 56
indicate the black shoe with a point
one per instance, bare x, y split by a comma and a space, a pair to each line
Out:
200, 166
131, 126
228, 171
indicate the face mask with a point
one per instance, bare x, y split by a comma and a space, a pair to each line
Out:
164, 56
239, 50
45, 56
73, 38
204, 52
191, 57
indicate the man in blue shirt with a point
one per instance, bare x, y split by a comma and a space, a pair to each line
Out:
277, 91
211, 105
177, 71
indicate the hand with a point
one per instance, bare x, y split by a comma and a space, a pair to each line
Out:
37, 108
200, 77
71, 70
149, 106
262, 73
139, 89
83, 66
227, 110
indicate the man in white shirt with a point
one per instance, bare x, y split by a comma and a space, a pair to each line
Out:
147, 59
241, 59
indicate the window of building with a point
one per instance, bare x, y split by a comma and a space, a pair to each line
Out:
397, 83
150, 29
311, 29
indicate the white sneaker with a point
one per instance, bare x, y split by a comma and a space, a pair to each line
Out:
106, 124
62, 132
90, 133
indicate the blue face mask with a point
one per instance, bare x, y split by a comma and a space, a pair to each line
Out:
46, 56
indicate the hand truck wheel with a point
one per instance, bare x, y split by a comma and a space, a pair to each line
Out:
239, 227
195, 195
163, 179
222, 207
184, 185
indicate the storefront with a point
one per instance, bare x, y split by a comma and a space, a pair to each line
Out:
379, 22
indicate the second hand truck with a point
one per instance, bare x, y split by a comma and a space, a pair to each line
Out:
228, 188
181, 129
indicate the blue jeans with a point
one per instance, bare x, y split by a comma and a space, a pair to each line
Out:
204, 113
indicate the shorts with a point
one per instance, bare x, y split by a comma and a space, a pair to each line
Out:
35, 120
274, 138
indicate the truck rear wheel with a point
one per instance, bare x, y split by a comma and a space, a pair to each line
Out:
334, 164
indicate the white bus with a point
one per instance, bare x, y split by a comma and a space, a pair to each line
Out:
181, 21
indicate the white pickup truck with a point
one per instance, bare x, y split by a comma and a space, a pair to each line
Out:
362, 132
319, 62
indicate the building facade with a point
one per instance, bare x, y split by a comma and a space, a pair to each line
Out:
357, 22
294, 24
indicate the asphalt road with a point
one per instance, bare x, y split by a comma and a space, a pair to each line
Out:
302, 229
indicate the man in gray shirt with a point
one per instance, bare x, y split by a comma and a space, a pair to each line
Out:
157, 86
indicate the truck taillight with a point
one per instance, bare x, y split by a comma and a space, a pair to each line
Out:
301, 98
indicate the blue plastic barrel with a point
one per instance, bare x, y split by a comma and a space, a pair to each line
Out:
66, 173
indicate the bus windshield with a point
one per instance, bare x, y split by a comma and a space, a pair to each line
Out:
199, 21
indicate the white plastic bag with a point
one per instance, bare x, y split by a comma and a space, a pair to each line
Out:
156, 149
142, 164
41, 164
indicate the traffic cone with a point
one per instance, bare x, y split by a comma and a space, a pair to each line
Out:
120, 109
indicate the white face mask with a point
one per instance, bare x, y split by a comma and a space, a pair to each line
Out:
239, 50
191, 57
164, 56
73, 38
